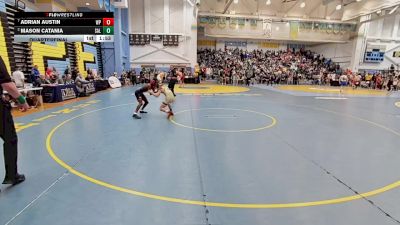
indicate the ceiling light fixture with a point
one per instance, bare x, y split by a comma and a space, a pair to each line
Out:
303, 4
379, 11
277, 28
236, 1
87, 3
339, 7
358, 0
268, 2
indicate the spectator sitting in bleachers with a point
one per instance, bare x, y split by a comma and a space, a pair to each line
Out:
280, 67
42, 81
56, 79
68, 79
35, 74
90, 76
49, 73
81, 84
67, 70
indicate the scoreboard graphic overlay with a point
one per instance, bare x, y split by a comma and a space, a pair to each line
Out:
64, 26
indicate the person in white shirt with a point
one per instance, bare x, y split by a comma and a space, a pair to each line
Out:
343, 79
19, 78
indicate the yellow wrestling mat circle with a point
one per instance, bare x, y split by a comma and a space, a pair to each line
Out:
209, 89
134, 192
331, 90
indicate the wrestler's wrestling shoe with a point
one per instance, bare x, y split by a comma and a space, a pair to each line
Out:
136, 116
143, 111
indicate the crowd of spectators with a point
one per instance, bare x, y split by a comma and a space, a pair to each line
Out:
239, 67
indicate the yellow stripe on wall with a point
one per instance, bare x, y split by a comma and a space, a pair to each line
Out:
41, 51
3, 48
83, 57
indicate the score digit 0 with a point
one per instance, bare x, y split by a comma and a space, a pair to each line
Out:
108, 30
108, 22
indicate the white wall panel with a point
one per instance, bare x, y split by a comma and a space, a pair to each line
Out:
136, 12
388, 26
156, 16
180, 21
373, 28
339, 53
176, 16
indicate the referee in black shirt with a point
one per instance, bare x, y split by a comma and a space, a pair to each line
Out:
7, 128
172, 81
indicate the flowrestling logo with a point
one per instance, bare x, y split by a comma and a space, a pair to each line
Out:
90, 88
68, 93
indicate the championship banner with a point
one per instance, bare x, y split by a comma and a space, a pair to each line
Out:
241, 22
203, 21
305, 26
212, 21
253, 23
294, 30
233, 22
267, 28
336, 28
222, 22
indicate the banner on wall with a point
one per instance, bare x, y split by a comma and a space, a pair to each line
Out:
269, 45
212, 21
267, 28
211, 43
241, 22
294, 30
253, 23
203, 21
233, 22
222, 22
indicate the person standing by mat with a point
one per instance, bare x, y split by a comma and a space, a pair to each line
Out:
141, 98
7, 128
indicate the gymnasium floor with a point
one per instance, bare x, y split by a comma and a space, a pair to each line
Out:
229, 157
